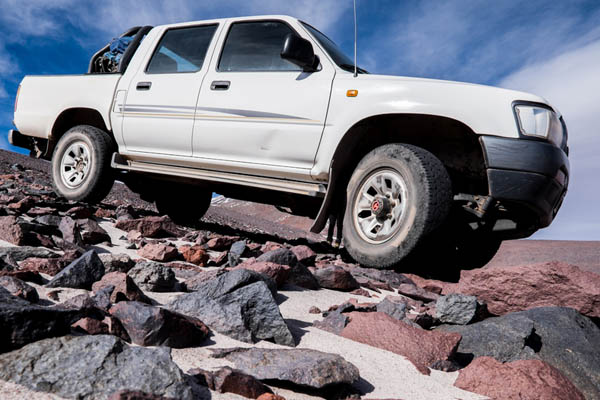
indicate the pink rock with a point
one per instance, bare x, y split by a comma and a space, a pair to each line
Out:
151, 227
194, 254
335, 277
520, 288
517, 380
270, 246
125, 288
221, 243
422, 348
279, 273
417, 293
91, 326
158, 252
304, 254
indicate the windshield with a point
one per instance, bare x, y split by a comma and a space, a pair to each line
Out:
338, 56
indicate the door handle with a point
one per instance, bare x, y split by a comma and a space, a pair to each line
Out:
220, 85
144, 85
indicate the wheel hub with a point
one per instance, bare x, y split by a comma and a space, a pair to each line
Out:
75, 164
381, 207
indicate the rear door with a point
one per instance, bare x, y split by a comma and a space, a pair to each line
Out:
158, 116
257, 108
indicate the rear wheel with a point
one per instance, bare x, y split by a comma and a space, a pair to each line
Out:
184, 204
396, 196
81, 168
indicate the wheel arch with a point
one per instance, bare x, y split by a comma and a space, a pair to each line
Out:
450, 140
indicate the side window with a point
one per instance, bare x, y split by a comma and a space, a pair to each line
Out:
256, 46
181, 50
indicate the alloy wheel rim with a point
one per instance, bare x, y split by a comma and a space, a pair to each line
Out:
75, 164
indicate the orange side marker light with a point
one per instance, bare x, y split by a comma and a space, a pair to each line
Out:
352, 93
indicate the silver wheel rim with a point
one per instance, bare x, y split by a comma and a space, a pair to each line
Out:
75, 164
379, 206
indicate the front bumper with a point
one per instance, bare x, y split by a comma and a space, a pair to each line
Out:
528, 178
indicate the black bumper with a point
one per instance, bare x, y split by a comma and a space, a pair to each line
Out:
528, 177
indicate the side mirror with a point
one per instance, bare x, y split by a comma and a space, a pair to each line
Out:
300, 52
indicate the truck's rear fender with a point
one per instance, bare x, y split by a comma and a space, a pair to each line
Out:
453, 142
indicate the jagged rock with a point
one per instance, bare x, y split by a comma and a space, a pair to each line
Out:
238, 304
48, 220
388, 277
394, 309
529, 379
415, 292
299, 275
194, 254
22, 205
125, 213
19, 288
50, 266
81, 273
218, 259
336, 278
540, 333
304, 254
17, 231
153, 277
70, 231
270, 246
421, 347
105, 214
116, 262
26, 276
201, 278
235, 252
153, 326
228, 380
531, 286
361, 292
22, 322
79, 212
281, 256
221, 243
91, 232
277, 272
158, 252
136, 395
458, 309
11, 255
150, 227
305, 367
93, 367
314, 310
91, 326
123, 288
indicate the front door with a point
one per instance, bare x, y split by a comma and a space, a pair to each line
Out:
158, 116
258, 108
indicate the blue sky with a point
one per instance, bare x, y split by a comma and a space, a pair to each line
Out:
551, 48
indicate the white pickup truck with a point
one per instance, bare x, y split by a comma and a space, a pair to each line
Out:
269, 109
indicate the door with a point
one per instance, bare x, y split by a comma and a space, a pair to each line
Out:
158, 116
258, 108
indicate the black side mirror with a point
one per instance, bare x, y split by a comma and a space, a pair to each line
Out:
300, 52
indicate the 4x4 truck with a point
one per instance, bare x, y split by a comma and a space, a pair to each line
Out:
269, 109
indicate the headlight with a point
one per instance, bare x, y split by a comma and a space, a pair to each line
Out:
539, 122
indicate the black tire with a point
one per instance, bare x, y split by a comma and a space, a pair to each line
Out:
184, 204
99, 178
428, 195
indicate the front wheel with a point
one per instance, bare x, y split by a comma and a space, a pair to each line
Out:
184, 204
396, 196
81, 168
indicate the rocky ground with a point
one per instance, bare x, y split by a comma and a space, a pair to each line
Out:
115, 301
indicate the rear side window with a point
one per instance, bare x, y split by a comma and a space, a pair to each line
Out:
181, 50
256, 46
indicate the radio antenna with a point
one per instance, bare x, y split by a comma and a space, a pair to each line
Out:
355, 66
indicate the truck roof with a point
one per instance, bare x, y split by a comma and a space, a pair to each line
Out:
219, 20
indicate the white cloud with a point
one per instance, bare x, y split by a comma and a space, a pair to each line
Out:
571, 83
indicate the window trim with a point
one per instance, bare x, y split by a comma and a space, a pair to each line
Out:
231, 24
157, 49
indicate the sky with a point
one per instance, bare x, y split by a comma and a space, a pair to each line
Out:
550, 48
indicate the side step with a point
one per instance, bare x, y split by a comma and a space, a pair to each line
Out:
283, 185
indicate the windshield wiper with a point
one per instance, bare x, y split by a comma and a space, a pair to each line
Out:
350, 68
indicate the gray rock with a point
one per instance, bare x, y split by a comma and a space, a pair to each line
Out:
94, 367
281, 256
22, 322
392, 278
299, 275
335, 278
393, 309
235, 252
48, 219
116, 262
21, 253
92, 232
19, 288
238, 304
81, 273
305, 367
70, 231
153, 277
456, 309
559, 336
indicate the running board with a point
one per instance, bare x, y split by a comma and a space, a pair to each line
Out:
282, 185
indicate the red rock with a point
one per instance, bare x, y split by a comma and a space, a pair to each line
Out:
270, 246
432, 285
151, 227
22, 205
50, 266
270, 396
134, 236
512, 289
517, 380
279, 273
202, 277
19, 288
422, 348
36, 211
228, 380
92, 232
361, 292
158, 252
194, 254
91, 326
337, 278
125, 288
415, 292
79, 212
12, 231
221, 243
304, 254
70, 231
314, 310
104, 213
218, 259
